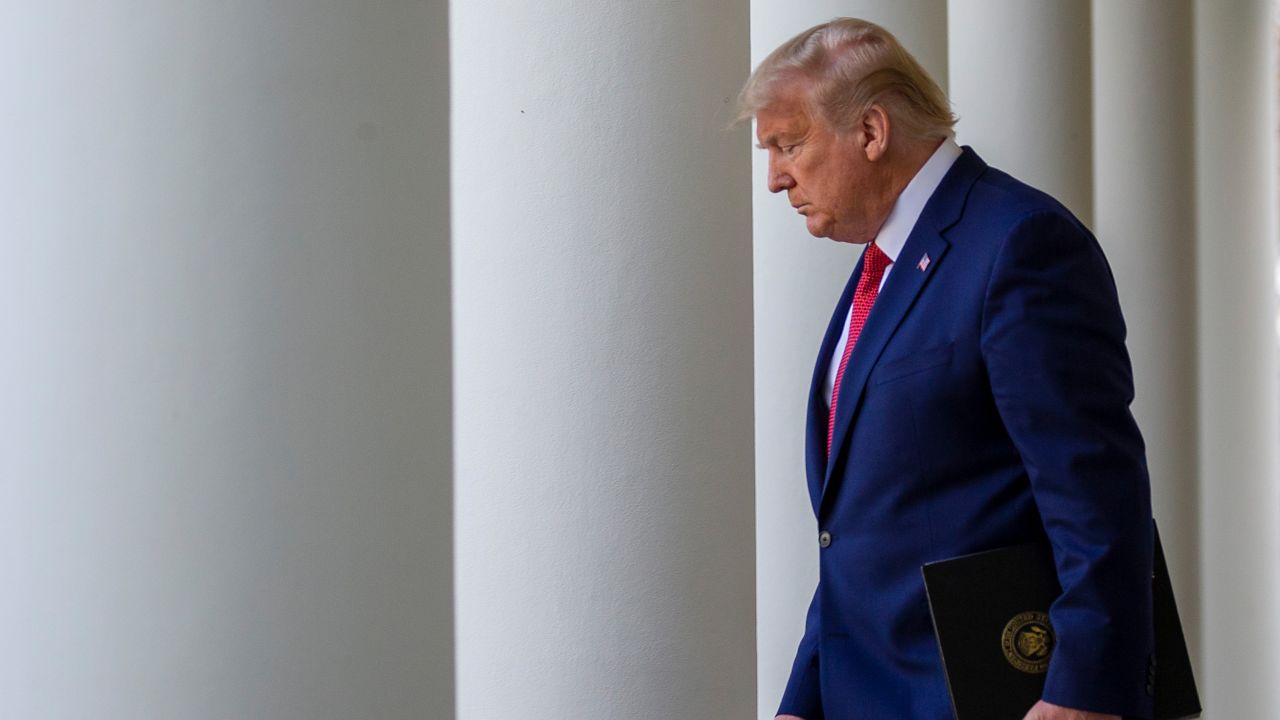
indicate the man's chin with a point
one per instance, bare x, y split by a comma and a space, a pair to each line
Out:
817, 227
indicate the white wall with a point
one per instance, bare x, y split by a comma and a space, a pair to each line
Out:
798, 279
224, 443
602, 276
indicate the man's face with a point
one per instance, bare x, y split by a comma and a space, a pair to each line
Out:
827, 175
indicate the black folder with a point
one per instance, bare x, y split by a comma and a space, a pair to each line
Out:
990, 615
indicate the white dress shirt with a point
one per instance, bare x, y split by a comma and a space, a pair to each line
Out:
893, 234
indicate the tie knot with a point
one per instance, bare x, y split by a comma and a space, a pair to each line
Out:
874, 260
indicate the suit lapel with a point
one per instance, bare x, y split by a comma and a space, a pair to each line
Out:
891, 306
816, 419
909, 276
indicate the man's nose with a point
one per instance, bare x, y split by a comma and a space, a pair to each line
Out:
779, 180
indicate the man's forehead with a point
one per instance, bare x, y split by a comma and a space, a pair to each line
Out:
780, 119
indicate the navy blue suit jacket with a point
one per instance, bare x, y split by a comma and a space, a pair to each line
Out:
986, 404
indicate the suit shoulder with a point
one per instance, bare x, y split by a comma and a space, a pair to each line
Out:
1001, 211
1001, 202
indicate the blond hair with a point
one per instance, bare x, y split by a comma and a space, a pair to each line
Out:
849, 65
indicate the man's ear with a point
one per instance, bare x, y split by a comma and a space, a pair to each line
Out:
875, 132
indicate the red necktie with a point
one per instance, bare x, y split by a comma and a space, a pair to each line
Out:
874, 263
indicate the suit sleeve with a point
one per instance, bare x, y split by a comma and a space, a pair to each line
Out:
803, 697
1053, 342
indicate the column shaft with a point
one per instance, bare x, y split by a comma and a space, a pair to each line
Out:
1020, 81
225, 449
1236, 260
602, 272
1145, 204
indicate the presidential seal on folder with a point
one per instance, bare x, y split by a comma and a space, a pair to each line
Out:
991, 617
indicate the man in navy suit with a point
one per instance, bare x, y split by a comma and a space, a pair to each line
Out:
972, 391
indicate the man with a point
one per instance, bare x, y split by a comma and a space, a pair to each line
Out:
972, 391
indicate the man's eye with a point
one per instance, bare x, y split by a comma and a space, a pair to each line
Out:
789, 149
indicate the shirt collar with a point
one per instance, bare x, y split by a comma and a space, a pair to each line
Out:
907, 208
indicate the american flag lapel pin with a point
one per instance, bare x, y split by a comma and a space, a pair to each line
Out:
924, 263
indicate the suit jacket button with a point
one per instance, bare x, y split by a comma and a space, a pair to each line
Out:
824, 539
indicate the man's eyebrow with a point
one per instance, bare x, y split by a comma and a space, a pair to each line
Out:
771, 140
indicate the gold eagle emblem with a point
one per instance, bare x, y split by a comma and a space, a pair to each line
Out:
1028, 641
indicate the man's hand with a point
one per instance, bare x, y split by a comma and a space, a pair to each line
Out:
1048, 711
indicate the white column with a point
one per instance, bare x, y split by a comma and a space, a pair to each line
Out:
1020, 82
602, 275
1144, 197
798, 279
224, 443
1240, 430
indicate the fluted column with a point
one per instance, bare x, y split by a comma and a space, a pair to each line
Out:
1144, 196
225, 435
798, 279
602, 275
1236, 224
1020, 82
